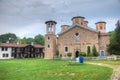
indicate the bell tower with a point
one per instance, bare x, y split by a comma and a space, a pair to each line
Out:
50, 39
101, 26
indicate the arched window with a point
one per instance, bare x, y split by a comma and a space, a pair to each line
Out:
48, 46
66, 49
48, 38
76, 37
100, 27
76, 34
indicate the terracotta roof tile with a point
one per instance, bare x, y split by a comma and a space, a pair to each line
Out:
19, 45
38, 46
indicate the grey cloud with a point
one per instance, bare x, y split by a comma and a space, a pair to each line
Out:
21, 13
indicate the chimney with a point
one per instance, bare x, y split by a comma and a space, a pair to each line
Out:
64, 27
101, 26
85, 23
78, 20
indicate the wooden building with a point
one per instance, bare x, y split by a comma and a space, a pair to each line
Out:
8, 50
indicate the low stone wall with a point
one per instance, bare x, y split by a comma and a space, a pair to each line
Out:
93, 58
101, 58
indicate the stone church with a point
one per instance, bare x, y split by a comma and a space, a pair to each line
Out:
75, 38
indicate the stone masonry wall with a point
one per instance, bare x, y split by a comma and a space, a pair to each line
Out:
85, 38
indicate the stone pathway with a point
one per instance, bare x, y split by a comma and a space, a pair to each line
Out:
116, 70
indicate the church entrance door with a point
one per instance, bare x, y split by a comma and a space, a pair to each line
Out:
102, 53
77, 54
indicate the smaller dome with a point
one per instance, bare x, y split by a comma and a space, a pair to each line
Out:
100, 22
78, 17
50, 21
86, 21
65, 25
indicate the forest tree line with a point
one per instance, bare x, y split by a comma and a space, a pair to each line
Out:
12, 38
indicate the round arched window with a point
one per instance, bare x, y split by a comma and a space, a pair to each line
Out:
48, 38
76, 34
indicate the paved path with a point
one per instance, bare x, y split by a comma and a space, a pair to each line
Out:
116, 70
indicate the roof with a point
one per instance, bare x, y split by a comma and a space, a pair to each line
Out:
79, 25
65, 25
100, 22
50, 21
38, 46
86, 21
78, 17
19, 45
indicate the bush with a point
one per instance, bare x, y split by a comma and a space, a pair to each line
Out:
57, 52
60, 55
95, 53
90, 54
88, 50
82, 54
69, 54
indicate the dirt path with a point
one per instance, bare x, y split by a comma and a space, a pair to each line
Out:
116, 70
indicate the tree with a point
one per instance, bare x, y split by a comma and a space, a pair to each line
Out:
24, 40
29, 40
88, 50
114, 46
7, 37
117, 30
94, 51
112, 36
39, 39
17, 40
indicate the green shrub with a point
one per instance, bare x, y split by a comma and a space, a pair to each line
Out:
88, 50
95, 53
60, 55
57, 52
90, 54
82, 54
69, 54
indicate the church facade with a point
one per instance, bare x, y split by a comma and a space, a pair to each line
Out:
75, 38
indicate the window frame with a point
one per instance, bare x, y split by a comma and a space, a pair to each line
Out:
48, 46
65, 49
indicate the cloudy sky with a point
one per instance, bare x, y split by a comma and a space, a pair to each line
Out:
27, 17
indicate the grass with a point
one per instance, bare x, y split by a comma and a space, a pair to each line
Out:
112, 62
40, 69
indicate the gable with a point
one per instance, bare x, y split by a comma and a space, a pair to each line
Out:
79, 35
80, 26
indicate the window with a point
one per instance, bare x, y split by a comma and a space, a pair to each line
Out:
12, 55
2, 48
100, 27
76, 34
66, 49
76, 37
48, 38
6, 49
48, 46
5, 55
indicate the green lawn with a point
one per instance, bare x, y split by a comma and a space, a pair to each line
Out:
40, 69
